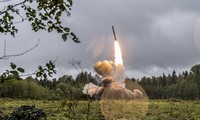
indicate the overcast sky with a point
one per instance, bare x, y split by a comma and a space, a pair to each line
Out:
156, 36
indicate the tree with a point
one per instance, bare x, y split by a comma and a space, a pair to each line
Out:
173, 78
168, 79
191, 91
64, 90
14, 88
41, 14
183, 86
184, 74
195, 69
154, 82
163, 83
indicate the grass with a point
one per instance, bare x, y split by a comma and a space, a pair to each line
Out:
97, 110
169, 110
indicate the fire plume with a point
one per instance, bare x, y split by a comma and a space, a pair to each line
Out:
118, 54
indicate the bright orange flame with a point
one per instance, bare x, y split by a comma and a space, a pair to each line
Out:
118, 54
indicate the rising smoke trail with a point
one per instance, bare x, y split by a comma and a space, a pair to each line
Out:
118, 68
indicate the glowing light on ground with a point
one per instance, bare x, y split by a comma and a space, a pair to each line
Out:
118, 54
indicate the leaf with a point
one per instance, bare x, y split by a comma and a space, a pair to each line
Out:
64, 36
30, 19
40, 68
29, 9
50, 29
54, 71
66, 29
50, 74
13, 66
15, 73
20, 69
70, 2
45, 75
76, 40
38, 74
49, 22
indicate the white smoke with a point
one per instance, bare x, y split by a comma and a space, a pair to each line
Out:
92, 90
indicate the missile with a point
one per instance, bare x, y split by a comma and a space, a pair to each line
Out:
114, 33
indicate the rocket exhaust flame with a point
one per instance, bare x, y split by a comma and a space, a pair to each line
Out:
118, 54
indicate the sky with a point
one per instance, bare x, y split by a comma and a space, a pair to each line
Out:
156, 37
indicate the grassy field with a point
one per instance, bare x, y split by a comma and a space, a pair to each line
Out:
151, 110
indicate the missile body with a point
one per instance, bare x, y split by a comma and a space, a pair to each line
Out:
115, 38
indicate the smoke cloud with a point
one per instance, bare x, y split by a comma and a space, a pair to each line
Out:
104, 68
112, 84
92, 90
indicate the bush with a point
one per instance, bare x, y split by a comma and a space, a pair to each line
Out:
26, 112
22, 89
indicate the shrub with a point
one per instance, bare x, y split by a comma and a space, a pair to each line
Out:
22, 89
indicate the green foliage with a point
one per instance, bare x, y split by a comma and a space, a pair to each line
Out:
41, 14
169, 110
195, 69
64, 109
42, 73
22, 89
183, 86
6, 22
64, 90
13, 73
69, 90
26, 112
48, 70
57, 110
191, 91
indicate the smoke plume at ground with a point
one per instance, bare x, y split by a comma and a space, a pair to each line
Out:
112, 83
117, 101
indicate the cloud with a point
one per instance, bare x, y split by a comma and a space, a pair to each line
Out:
150, 33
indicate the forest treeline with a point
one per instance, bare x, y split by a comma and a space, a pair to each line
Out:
185, 85
65, 87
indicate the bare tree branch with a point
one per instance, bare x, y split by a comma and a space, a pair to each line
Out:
5, 0
43, 15
76, 63
73, 63
30, 74
2, 12
79, 64
5, 56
